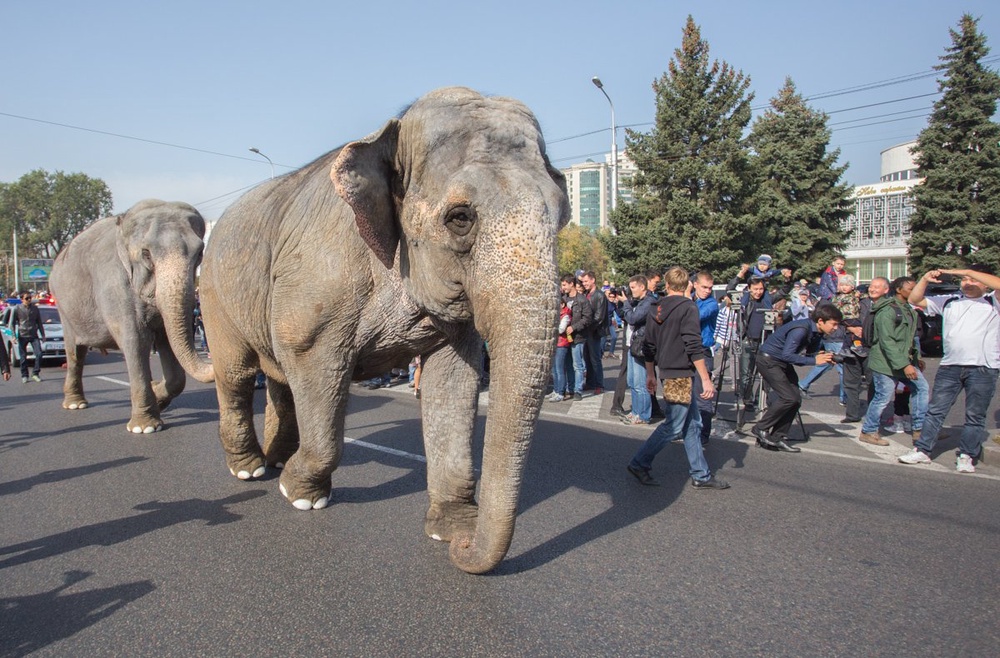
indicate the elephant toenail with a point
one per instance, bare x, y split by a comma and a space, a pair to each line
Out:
302, 504
259, 472
321, 503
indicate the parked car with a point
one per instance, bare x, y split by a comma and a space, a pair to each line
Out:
53, 347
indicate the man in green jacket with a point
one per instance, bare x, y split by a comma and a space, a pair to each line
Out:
894, 358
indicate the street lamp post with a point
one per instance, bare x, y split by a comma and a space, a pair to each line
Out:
614, 145
254, 149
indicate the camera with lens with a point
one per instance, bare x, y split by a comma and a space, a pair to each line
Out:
838, 357
735, 296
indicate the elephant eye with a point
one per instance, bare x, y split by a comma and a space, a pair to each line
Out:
146, 255
460, 219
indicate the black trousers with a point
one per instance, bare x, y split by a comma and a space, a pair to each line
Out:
856, 369
785, 399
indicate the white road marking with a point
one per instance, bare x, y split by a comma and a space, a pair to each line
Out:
113, 381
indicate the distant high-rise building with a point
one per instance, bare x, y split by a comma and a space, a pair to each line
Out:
589, 188
880, 223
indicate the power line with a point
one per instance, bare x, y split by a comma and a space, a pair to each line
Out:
136, 139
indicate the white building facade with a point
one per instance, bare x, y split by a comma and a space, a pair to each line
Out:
589, 187
880, 223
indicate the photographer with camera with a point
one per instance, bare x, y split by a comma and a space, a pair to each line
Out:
893, 358
786, 348
754, 301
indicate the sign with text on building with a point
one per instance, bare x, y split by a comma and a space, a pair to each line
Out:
36, 269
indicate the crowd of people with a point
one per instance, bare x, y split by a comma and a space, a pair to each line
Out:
770, 323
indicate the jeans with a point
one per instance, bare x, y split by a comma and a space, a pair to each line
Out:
36, 346
979, 383
611, 338
706, 407
559, 370
579, 370
595, 346
641, 405
817, 371
884, 387
681, 420
748, 363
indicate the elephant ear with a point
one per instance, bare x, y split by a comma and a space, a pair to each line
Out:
559, 179
363, 175
123, 224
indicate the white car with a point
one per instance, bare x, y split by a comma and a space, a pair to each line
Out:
53, 346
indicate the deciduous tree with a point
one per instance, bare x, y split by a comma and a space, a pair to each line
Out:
48, 210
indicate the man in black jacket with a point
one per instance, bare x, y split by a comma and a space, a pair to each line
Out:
595, 336
673, 344
30, 330
786, 348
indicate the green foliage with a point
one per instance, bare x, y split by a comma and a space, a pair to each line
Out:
694, 175
957, 217
579, 249
799, 200
48, 210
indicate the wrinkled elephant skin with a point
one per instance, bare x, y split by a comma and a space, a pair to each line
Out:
427, 237
127, 282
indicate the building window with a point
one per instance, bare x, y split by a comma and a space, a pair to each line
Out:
590, 199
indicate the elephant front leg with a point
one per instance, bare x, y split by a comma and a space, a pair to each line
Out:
281, 431
145, 412
76, 355
320, 387
449, 394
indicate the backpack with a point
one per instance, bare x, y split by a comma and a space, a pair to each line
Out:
868, 331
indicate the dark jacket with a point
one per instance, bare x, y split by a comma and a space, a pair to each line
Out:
828, 283
28, 320
599, 306
673, 337
4, 362
635, 312
583, 316
793, 342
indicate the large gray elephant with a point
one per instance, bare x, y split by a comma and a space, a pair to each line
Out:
127, 282
438, 232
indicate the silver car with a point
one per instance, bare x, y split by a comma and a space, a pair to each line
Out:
53, 346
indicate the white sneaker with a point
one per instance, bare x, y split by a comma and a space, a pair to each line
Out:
897, 425
555, 397
964, 464
915, 456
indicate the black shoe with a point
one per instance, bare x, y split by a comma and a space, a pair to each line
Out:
704, 441
618, 412
848, 419
764, 439
642, 476
711, 483
783, 446
577, 396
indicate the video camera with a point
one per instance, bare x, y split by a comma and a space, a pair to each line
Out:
735, 296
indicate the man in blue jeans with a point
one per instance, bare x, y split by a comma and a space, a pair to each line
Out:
894, 358
673, 343
971, 338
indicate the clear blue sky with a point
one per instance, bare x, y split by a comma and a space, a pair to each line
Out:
296, 79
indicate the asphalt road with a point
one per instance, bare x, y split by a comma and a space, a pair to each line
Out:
115, 544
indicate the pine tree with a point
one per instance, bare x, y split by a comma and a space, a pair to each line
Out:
956, 221
799, 201
694, 172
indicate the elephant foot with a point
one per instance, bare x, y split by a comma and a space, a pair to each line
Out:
247, 468
303, 496
144, 424
278, 455
445, 521
74, 403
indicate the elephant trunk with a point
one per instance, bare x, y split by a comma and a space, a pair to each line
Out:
521, 340
175, 301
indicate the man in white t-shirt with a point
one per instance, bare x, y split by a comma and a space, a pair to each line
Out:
971, 336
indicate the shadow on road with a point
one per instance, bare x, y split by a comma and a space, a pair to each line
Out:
35, 621
157, 516
48, 477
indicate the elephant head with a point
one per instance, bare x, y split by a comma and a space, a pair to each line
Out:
160, 246
461, 187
